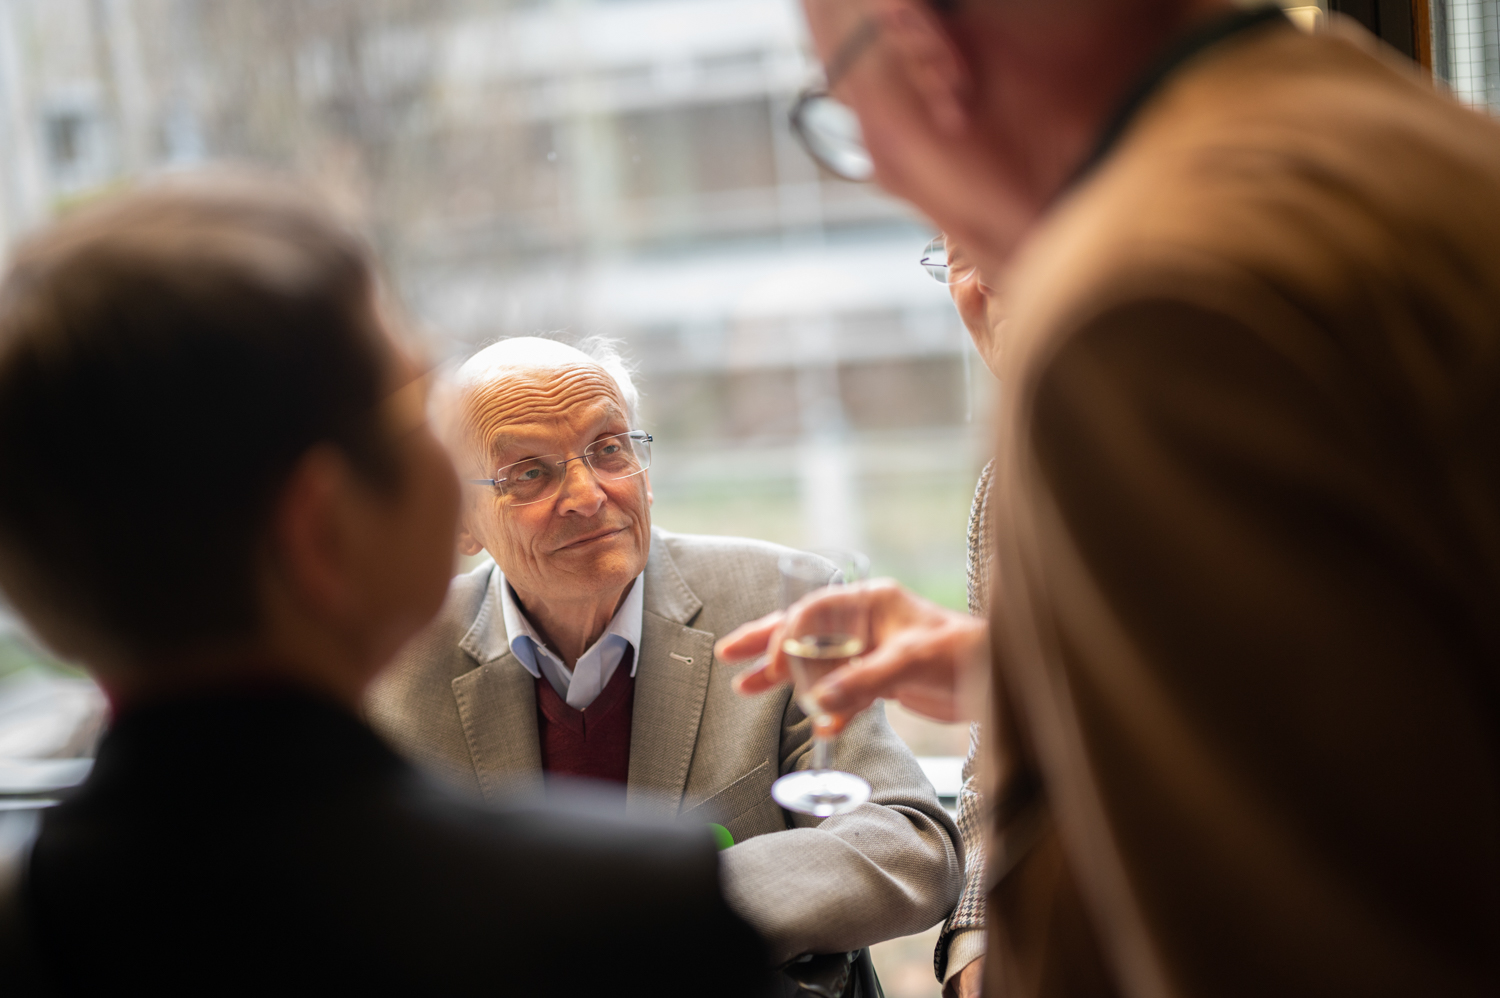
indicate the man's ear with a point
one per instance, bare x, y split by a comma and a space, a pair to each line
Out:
921, 48
468, 544
310, 532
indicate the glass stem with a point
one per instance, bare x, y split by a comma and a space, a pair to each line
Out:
822, 753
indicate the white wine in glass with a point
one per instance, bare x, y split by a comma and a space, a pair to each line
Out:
814, 656
830, 639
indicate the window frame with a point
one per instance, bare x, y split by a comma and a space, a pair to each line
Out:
1405, 25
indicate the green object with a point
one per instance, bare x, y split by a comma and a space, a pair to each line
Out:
722, 838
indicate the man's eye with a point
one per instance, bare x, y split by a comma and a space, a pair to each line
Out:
609, 450
529, 475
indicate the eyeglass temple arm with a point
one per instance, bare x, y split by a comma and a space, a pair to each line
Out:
852, 49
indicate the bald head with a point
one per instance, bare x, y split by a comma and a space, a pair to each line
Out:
528, 379
521, 354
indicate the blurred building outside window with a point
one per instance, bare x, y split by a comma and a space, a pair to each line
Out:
619, 167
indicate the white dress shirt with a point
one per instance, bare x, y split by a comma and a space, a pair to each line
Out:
581, 684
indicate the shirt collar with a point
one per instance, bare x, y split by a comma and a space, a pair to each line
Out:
1179, 52
525, 641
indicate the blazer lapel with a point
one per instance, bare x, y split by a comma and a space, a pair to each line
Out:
671, 685
497, 707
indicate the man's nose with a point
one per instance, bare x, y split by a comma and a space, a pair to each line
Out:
581, 491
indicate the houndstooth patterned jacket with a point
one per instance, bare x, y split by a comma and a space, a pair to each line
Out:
962, 938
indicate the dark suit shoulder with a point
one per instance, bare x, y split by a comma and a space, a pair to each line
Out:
569, 843
316, 853
568, 896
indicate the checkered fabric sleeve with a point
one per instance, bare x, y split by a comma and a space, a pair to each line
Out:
979, 554
968, 915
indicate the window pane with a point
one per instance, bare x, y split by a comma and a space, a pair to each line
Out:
1466, 49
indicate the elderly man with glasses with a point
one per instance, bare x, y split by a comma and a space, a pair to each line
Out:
583, 647
1242, 649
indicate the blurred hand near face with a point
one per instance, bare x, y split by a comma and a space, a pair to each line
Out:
920, 654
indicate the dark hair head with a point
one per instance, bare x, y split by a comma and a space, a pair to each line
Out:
165, 360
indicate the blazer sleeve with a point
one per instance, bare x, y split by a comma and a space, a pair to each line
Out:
891, 867
1258, 705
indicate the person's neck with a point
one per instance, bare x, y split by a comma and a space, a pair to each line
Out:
186, 677
1052, 89
290, 651
570, 627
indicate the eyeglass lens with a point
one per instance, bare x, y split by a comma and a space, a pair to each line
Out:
538, 478
944, 267
831, 133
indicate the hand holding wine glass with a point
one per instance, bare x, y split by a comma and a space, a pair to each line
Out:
922, 655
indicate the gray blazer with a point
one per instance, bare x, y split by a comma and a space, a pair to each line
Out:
459, 703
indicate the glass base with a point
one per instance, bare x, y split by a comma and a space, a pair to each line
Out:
820, 792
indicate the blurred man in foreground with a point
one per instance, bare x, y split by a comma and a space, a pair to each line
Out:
583, 647
1247, 503
218, 490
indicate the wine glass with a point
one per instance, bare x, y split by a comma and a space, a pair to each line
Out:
829, 637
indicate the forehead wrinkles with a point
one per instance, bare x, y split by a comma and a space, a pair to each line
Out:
532, 396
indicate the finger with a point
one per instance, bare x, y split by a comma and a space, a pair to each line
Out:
935, 707
830, 725
758, 678
827, 725
747, 640
872, 609
837, 602
941, 707
881, 673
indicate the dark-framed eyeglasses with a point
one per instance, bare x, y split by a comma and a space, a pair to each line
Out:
828, 129
539, 478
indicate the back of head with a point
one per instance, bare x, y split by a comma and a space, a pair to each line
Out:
164, 361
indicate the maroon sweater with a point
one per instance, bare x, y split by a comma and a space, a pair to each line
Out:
593, 743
